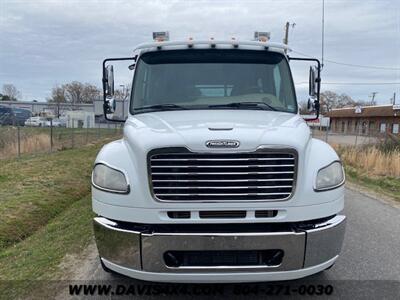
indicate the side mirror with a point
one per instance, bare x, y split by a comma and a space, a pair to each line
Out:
312, 83
109, 102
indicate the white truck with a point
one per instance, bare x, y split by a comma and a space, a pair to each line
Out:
216, 178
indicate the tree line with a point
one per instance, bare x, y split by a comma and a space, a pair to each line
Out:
10, 93
330, 100
73, 93
77, 92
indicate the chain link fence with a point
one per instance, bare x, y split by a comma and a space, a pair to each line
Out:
357, 139
16, 141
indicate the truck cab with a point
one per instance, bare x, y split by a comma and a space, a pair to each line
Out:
216, 177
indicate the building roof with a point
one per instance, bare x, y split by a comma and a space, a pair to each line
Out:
365, 111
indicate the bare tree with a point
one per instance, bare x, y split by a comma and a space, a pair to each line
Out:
331, 100
74, 92
123, 93
328, 101
90, 93
11, 92
58, 97
77, 92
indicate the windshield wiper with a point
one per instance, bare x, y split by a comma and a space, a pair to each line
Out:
261, 105
166, 106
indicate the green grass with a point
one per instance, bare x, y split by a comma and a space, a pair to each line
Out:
386, 185
39, 256
45, 211
37, 139
34, 190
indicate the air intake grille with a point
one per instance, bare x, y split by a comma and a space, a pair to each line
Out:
180, 175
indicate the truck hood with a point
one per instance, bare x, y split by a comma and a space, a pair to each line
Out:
192, 129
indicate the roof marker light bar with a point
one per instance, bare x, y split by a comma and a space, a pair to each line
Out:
190, 43
255, 44
262, 36
161, 36
212, 44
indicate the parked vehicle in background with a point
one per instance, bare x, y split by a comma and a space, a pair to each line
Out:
21, 115
36, 122
6, 115
56, 123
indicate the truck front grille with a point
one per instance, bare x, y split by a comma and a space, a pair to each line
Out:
180, 175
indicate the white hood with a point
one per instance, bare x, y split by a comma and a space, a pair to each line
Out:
193, 128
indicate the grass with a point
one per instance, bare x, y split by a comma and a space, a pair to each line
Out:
375, 166
33, 190
388, 186
373, 160
39, 256
37, 139
45, 213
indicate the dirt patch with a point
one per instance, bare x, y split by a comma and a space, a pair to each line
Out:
80, 266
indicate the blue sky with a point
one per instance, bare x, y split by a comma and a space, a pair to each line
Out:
44, 43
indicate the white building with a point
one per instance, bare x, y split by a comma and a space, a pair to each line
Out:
80, 119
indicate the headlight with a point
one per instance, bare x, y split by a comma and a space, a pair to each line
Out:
330, 177
109, 179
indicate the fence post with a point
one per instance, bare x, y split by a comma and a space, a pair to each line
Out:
19, 140
51, 135
356, 134
326, 133
72, 134
87, 132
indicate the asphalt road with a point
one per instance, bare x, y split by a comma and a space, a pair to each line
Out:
371, 252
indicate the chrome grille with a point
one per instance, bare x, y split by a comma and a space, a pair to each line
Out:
180, 175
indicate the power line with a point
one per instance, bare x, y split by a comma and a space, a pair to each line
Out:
352, 65
362, 66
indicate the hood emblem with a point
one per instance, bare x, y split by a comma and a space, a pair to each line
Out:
222, 144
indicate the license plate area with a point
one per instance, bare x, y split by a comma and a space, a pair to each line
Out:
219, 252
227, 258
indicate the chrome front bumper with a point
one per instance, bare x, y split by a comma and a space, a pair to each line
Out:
139, 249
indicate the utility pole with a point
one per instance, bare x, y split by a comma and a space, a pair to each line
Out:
286, 38
394, 98
323, 34
373, 97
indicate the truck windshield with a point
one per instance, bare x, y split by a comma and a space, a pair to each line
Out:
212, 79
